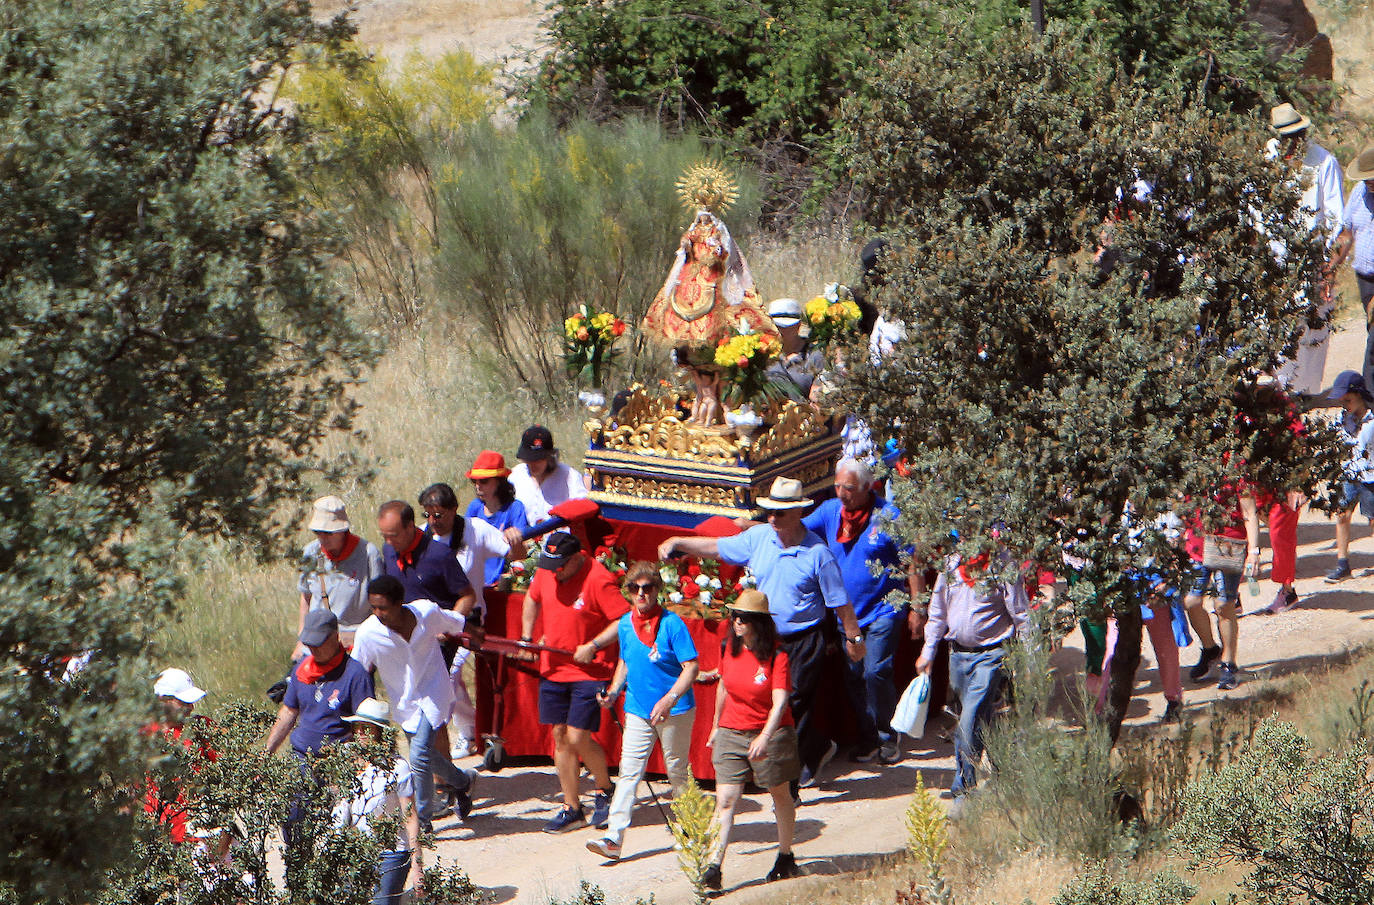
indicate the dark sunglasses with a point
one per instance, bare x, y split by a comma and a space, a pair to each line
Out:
638, 589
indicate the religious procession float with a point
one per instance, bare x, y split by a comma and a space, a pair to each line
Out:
661, 456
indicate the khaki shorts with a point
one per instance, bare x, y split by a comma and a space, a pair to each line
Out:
779, 764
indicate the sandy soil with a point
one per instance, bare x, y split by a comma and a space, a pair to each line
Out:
855, 815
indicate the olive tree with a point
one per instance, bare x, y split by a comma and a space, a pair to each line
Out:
1078, 362
174, 350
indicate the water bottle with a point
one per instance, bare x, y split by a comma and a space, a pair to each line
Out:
1253, 584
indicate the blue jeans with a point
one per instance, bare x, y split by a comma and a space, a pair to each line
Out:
977, 679
425, 762
391, 877
869, 683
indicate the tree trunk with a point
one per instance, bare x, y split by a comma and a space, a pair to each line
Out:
1125, 662
1038, 16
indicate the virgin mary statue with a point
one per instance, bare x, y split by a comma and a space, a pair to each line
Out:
709, 295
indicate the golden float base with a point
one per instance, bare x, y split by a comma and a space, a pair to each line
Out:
647, 465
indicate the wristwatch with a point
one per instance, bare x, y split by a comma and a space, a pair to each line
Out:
857, 639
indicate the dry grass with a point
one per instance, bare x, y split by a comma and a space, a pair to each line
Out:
800, 266
491, 30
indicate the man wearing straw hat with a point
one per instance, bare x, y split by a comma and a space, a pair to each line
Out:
1356, 243
1323, 202
802, 580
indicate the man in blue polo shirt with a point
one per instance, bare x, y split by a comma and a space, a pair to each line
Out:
801, 578
322, 689
427, 569
852, 526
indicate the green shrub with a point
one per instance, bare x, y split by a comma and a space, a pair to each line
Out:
1302, 823
385, 127
696, 832
1054, 789
1099, 885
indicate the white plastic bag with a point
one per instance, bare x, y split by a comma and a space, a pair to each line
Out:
910, 715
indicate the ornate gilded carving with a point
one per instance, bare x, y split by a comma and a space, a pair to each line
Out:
670, 491
648, 424
790, 425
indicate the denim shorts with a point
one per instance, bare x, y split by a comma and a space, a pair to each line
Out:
1215, 583
570, 704
1359, 493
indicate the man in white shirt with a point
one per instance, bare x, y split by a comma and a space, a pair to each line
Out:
540, 480
1323, 201
477, 541
401, 642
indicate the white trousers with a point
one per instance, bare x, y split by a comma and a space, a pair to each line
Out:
1303, 373
463, 725
635, 747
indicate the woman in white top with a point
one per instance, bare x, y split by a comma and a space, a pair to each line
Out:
382, 794
541, 481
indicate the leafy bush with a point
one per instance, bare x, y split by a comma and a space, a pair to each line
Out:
249, 793
770, 76
1055, 790
385, 128
1302, 822
175, 352
696, 833
1098, 885
1077, 404
536, 220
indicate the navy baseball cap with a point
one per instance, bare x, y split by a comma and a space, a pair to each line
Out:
558, 548
1348, 382
320, 626
535, 443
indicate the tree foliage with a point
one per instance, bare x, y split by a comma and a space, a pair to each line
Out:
1045, 401
173, 352
386, 129
771, 75
1302, 823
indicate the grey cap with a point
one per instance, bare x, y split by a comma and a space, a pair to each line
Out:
320, 625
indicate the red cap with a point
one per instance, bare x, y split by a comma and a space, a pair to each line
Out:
489, 464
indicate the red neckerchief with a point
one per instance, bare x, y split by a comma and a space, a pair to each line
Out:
310, 672
350, 544
646, 627
977, 562
406, 559
852, 524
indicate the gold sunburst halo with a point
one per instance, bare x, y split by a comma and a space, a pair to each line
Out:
707, 186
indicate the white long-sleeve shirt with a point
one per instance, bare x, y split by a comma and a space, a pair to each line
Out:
413, 671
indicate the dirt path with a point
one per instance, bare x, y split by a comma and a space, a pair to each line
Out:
857, 812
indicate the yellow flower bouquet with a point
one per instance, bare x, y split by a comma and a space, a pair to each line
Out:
832, 316
589, 338
744, 359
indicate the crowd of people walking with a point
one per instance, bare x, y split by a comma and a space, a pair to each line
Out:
825, 574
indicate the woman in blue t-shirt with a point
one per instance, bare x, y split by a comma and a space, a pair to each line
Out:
496, 504
658, 664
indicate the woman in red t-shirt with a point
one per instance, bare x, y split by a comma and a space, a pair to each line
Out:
1241, 526
752, 733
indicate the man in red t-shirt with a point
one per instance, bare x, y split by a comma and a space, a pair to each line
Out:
577, 598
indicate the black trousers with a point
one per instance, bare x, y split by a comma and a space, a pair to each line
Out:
1366, 286
806, 665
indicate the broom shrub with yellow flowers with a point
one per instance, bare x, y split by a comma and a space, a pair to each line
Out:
833, 315
744, 359
589, 338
